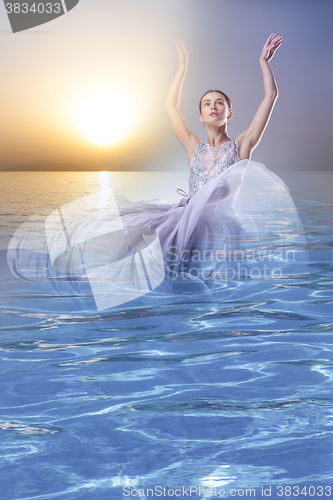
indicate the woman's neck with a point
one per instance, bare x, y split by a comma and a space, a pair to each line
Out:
217, 141
217, 137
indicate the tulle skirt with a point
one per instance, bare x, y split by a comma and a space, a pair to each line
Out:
102, 251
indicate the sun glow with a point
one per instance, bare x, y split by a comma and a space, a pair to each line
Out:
104, 179
105, 117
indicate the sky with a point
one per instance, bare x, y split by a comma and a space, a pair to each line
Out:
118, 56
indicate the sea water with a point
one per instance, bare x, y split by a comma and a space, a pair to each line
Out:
188, 400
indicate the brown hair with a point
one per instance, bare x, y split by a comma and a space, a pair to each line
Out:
220, 92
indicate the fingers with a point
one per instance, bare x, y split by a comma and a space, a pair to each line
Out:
181, 47
269, 39
178, 47
276, 44
276, 40
270, 42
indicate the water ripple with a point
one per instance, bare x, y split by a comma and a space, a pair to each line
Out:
231, 392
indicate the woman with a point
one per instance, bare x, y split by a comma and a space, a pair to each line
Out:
217, 227
216, 111
237, 222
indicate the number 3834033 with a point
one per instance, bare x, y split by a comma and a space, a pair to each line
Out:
35, 8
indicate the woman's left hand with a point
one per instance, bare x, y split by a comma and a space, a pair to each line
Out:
270, 47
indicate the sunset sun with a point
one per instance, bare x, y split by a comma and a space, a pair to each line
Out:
104, 118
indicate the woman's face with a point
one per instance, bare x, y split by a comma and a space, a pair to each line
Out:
214, 109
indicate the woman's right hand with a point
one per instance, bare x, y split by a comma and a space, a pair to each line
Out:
183, 53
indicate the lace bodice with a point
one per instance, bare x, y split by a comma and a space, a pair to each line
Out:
208, 162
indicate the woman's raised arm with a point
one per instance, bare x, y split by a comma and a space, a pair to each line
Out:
251, 137
187, 139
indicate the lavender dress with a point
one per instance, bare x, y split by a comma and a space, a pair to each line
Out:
238, 222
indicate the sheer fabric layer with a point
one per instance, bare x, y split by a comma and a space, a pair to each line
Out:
241, 224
